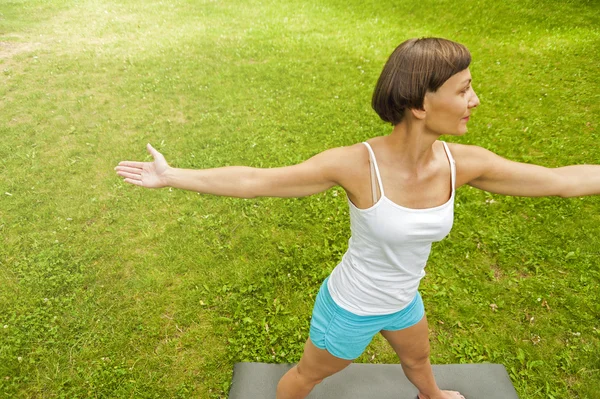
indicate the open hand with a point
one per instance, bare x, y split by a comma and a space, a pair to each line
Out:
145, 174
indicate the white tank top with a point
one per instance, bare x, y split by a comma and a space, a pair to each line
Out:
387, 252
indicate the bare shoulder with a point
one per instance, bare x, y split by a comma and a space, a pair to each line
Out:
471, 161
346, 161
349, 166
350, 154
466, 152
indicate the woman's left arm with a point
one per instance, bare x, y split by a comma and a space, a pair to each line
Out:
487, 171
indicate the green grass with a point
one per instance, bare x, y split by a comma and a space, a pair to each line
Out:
110, 291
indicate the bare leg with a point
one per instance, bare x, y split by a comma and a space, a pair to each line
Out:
412, 347
315, 365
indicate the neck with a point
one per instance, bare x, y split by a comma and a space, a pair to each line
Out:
412, 145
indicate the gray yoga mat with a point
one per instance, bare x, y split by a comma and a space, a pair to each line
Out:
376, 381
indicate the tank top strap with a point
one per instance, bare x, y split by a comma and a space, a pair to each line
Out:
374, 163
452, 165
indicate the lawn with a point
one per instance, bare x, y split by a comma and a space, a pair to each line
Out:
112, 291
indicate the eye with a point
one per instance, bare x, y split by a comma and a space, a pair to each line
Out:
466, 89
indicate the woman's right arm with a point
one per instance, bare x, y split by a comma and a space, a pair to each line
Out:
312, 176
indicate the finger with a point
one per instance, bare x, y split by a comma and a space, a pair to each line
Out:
152, 151
132, 164
134, 176
135, 182
128, 169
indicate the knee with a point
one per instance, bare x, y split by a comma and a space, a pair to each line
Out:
415, 361
307, 377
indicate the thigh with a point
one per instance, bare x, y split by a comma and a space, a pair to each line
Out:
317, 364
410, 344
338, 331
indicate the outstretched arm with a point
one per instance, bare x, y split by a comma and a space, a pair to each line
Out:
487, 171
317, 174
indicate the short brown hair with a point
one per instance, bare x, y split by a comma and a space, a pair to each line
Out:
415, 67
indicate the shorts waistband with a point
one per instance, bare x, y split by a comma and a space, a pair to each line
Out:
348, 313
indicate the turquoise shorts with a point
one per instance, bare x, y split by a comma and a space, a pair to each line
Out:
345, 334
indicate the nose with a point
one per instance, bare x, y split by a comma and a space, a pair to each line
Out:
474, 100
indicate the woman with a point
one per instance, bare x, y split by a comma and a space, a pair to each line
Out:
400, 192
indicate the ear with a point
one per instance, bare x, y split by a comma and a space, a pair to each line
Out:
418, 113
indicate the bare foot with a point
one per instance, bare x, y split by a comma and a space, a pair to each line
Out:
444, 395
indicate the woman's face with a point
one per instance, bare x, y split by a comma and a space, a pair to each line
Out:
447, 110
